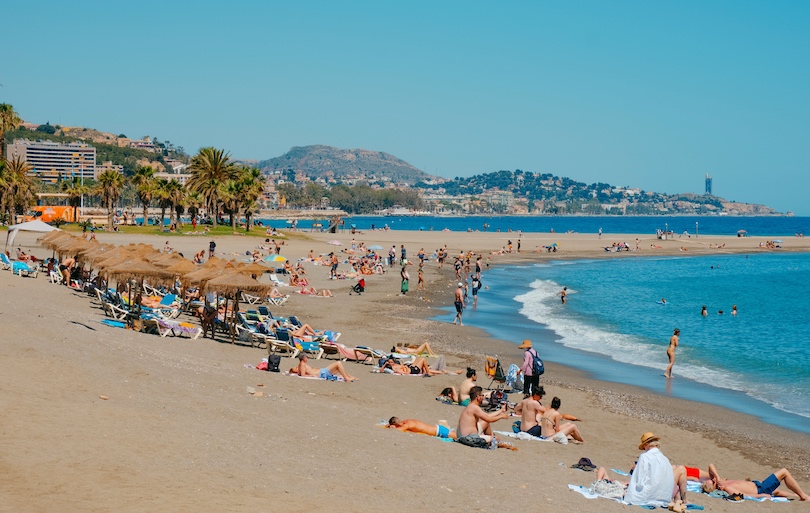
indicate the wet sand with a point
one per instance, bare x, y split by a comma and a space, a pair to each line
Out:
179, 431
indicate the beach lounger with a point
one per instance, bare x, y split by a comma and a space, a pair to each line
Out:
23, 269
116, 312
313, 348
278, 301
250, 299
177, 329
276, 281
4, 260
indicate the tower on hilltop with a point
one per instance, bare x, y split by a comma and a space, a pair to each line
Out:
708, 185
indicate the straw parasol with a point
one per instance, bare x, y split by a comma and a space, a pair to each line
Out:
48, 241
230, 285
182, 267
253, 268
137, 269
166, 260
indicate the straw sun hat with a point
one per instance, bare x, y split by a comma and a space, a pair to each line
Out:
527, 344
647, 438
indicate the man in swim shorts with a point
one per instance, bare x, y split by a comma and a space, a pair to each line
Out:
474, 424
766, 488
459, 303
417, 426
529, 410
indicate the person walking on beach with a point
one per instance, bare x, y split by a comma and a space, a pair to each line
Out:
673, 343
600, 232
420, 279
405, 277
476, 286
459, 303
392, 256
212, 246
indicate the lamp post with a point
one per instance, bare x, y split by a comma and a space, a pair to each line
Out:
666, 230
696, 230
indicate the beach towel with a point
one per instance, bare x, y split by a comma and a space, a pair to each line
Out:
339, 378
522, 435
694, 487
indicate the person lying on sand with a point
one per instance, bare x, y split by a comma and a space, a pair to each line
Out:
304, 369
417, 426
413, 349
765, 488
418, 366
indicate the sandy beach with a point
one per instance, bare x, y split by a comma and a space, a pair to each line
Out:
103, 419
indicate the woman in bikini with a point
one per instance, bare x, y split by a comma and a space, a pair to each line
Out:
673, 343
550, 423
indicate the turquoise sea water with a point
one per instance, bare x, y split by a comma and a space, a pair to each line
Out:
614, 326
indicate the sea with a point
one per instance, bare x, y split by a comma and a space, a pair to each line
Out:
616, 326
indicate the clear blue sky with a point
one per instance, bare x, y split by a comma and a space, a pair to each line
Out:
650, 94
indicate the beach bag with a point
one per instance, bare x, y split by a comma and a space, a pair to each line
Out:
273, 362
608, 489
538, 369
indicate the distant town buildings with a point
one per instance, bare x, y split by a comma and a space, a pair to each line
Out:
108, 166
52, 161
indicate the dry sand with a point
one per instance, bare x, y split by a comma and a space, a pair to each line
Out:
178, 430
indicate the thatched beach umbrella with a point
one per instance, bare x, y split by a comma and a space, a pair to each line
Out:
253, 268
182, 267
49, 241
165, 260
231, 285
136, 269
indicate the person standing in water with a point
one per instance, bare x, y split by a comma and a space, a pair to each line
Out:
563, 292
673, 343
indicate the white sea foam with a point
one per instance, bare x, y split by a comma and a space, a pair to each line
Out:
542, 305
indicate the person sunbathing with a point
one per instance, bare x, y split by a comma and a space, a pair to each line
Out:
766, 488
418, 366
274, 293
550, 424
413, 349
417, 426
312, 291
336, 368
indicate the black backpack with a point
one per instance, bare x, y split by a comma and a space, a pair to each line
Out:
273, 362
537, 365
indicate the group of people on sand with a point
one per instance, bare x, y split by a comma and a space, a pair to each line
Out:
654, 481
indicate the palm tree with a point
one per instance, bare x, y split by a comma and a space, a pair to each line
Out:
162, 194
254, 186
75, 189
143, 180
210, 169
177, 195
9, 120
110, 184
20, 186
194, 201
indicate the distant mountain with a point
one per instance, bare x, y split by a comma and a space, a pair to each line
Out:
321, 161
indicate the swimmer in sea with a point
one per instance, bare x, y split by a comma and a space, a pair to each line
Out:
663, 301
673, 343
733, 309
704, 312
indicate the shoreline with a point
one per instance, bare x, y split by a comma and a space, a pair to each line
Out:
764, 442
178, 430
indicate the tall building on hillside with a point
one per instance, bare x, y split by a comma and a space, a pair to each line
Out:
51, 161
708, 185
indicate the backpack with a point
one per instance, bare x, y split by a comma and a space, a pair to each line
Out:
273, 362
537, 365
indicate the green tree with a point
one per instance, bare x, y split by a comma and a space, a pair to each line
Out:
47, 128
162, 193
144, 182
110, 184
75, 189
210, 169
177, 196
9, 120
